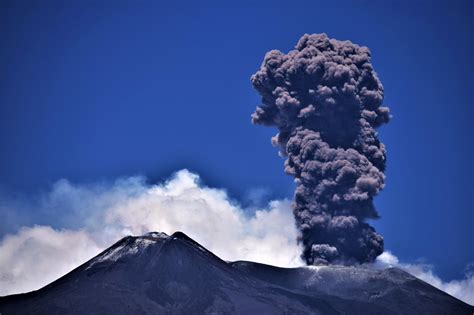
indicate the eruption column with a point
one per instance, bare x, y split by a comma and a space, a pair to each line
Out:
326, 101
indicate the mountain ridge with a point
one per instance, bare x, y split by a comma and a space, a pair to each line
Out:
157, 273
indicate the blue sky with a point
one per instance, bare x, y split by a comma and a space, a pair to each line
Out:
91, 92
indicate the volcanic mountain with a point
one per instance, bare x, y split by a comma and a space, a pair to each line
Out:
160, 274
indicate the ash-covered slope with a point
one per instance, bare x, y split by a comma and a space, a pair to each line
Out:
156, 273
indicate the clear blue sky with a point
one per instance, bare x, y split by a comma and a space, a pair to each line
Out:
95, 91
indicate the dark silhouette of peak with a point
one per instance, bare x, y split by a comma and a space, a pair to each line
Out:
160, 274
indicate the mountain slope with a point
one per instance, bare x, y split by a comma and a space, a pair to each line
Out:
156, 273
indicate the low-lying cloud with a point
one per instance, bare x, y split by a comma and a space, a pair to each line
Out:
98, 215
38, 255
89, 218
462, 289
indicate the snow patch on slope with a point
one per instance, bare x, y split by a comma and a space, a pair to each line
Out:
128, 247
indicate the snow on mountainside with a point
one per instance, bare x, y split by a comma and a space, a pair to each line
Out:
156, 273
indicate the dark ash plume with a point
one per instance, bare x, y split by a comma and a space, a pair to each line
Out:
325, 99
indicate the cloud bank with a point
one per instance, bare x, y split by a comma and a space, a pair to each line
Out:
462, 289
38, 255
98, 215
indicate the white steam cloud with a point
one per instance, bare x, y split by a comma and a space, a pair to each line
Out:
98, 215
462, 289
39, 255
35, 256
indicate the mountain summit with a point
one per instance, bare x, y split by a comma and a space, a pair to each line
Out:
156, 273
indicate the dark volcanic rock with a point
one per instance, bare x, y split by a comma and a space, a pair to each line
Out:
156, 274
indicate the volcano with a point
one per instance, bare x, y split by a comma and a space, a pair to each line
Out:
160, 274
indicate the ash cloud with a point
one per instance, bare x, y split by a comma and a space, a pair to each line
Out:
326, 101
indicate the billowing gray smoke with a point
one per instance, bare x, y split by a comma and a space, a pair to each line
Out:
325, 99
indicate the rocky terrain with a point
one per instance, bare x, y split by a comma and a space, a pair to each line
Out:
160, 274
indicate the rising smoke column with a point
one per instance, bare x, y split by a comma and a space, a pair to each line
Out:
325, 99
